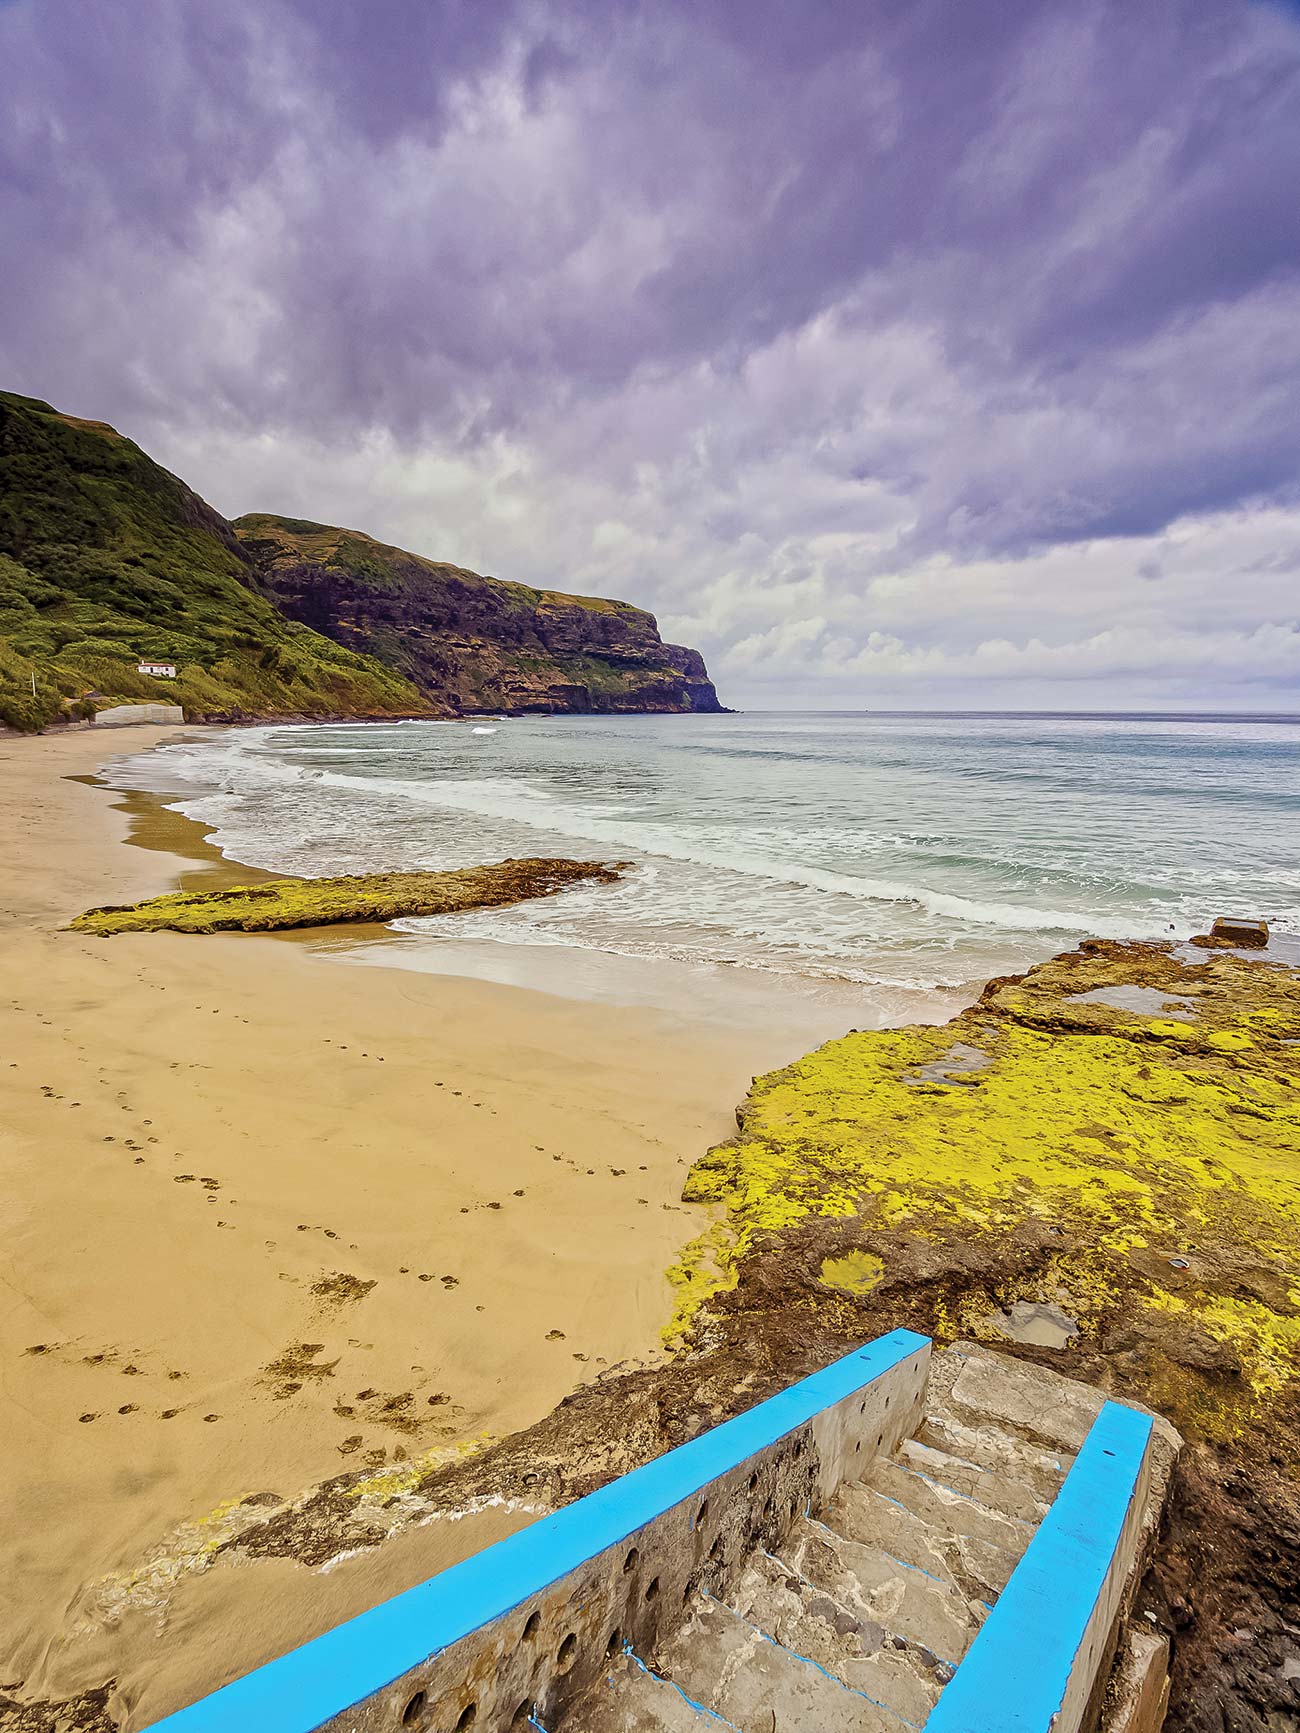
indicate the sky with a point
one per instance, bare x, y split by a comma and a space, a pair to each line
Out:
895, 353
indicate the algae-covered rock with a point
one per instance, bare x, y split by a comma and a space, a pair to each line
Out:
280, 903
1057, 1143
1112, 1139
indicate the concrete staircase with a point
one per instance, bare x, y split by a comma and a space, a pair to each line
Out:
864, 1615
901, 1539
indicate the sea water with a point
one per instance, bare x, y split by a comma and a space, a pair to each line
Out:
893, 853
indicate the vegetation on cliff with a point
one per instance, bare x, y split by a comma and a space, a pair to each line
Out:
471, 643
106, 558
280, 903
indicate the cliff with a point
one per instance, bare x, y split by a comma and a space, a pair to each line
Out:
471, 643
107, 558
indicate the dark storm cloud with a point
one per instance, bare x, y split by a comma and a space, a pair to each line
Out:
451, 220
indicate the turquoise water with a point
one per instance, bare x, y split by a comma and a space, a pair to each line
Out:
899, 851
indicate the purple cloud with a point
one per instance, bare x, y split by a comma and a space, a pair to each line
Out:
958, 281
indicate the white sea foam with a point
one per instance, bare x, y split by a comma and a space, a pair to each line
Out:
900, 855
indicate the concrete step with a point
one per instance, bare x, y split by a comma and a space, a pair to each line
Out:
630, 1698
860, 1653
976, 1568
1001, 1452
879, 1589
1013, 1498
747, 1678
980, 1388
946, 1509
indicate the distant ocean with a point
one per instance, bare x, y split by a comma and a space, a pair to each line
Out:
889, 851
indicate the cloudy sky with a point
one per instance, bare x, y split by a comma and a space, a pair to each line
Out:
895, 352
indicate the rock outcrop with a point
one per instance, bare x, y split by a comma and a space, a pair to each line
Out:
283, 903
466, 642
1112, 1140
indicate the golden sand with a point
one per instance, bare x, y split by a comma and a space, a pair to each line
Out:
267, 1216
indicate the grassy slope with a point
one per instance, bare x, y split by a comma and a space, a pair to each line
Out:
106, 557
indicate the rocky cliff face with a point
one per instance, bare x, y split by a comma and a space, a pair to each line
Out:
471, 643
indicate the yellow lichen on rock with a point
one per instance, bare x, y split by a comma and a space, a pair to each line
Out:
287, 903
706, 1266
857, 1272
1163, 1152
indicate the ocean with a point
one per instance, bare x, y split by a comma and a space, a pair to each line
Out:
896, 854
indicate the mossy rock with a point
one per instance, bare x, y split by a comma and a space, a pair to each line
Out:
1139, 1166
281, 903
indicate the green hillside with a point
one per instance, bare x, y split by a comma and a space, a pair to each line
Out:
105, 558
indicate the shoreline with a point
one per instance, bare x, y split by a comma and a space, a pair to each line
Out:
273, 1219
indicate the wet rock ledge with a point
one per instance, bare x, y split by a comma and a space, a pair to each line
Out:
1109, 1143
282, 903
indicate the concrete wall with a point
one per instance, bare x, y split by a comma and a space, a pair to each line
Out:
526, 1627
118, 715
1065, 1598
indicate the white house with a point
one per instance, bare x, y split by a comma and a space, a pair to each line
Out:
163, 670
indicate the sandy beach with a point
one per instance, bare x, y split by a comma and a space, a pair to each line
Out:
267, 1217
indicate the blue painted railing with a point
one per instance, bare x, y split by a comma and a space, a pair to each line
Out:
307, 1687
1015, 1675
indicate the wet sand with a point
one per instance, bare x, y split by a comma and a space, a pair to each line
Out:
267, 1217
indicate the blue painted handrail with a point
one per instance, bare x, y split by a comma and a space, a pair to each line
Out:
1015, 1674
307, 1687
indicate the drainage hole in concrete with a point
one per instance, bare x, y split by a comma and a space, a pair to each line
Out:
652, 1588
565, 1652
615, 1642
533, 1625
413, 1709
630, 1560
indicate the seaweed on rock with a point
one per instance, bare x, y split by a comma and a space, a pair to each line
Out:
285, 903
